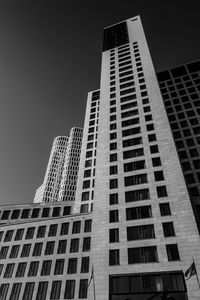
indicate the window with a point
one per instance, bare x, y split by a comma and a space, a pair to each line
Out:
46, 267
42, 290
41, 231
113, 183
137, 195
136, 165
154, 149
55, 290
35, 213
83, 288
59, 266
129, 105
88, 154
64, 229
25, 213
87, 173
131, 131
128, 98
113, 170
33, 269
114, 216
142, 255
15, 292
113, 199
14, 251
113, 157
135, 179
113, 146
15, 214
3, 252
69, 289
88, 163
4, 290
161, 191
165, 209
76, 227
19, 234
114, 257
5, 215
9, 271
156, 161
113, 126
140, 232
37, 249
141, 212
113, 136
172, 252
168, 229
158, 175
53, 230
74, 247
62, 245
86, 184
26, 250
72, 266
8, 235
88, 226
132, 142
85, 264
84, 208
114, 235
86, 244
28, 291
21, 269
56, 212
133, 153
30, 233
45, 212
130, 122
49, 248
66, 210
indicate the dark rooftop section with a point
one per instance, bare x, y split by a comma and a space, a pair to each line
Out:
115, 36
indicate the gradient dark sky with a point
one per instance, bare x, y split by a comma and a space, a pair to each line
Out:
50, 55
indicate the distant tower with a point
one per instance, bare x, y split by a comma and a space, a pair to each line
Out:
71, 166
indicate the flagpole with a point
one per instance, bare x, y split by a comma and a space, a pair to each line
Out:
196, 272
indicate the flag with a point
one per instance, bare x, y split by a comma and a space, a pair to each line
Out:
91, 276
190, 272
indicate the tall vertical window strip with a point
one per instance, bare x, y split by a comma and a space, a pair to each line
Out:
15, 292
69, 289
42, 290
83, 288
28, 291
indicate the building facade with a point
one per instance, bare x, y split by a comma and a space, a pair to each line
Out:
130, 234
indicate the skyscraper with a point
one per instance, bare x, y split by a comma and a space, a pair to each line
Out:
131, 233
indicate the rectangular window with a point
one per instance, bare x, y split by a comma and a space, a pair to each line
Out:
49, 248
42, 290
30, 233
131, 131
114, 216
19, 234
85, 264
113, 199
137, 195
88, 226
37, 249
113, 170
72, 266
33, 269
154, 149
140, 232
62, 245
3, 252
15, 292
129, 105
161, 191
172, 252
165, 209
129, 113
46, 267
156, 161
86, 244
64, 229
135, 179
45, 212
114, 257
159, 176
133, 153
69, 289
9, 271
59, 266
132, 142
113, 157
74, 246
133, 166
41, 231
130, 122
14, 251
28, 291
53, 230
168, 229
8, 235
26, 250
35, 213
76, 227
55, 290
21, 269
4, 290
142, 255
113, 183
141, 212
114, 235
56, 212
83, 288
127, 98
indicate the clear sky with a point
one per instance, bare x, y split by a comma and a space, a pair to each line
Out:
50, 55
